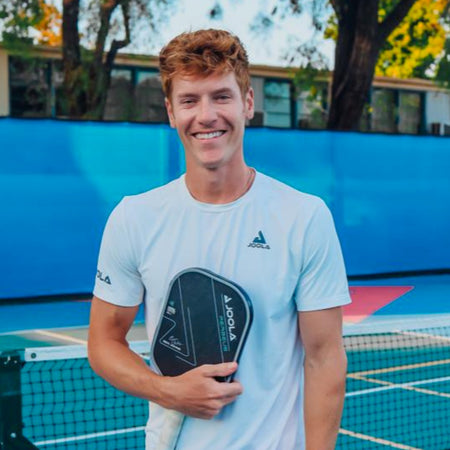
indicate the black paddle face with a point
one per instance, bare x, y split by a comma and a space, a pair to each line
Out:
205, 320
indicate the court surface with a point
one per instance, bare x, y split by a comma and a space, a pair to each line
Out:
420, 380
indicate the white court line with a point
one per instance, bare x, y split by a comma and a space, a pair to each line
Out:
399, 386
425, 335
440, 362
85, 437
366, 437
60, 336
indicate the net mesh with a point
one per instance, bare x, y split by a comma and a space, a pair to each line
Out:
398, 390
66, 406
398, 396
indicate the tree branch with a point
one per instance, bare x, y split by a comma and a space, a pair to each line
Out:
71, 38
393, 19
106, 9
117, 45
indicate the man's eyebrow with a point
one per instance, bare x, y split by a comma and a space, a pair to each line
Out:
219, 91
223, 91
186, 94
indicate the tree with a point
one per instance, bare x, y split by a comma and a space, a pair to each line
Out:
360, 38
87, 75
363, 28
87, 58
443, 64
416, 43
17, 18
49, 28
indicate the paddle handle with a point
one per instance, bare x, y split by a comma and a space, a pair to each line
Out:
173, 422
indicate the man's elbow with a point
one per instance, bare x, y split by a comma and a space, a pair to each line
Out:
332, 361
94, 354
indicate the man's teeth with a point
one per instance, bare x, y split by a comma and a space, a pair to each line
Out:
211, 135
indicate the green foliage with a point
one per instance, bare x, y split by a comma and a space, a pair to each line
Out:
443, 67
414, 46
307, 78
17, 18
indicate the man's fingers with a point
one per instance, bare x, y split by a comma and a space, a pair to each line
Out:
219, 370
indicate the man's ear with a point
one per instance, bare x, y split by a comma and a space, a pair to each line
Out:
250, 104
170, 112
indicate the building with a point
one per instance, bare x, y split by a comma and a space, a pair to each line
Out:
32, 87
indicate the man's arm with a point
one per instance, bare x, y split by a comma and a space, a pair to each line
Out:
195, 393
325, 370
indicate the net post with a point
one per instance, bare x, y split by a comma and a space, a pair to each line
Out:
11, 425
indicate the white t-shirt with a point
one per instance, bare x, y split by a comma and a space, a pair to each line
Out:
280, 245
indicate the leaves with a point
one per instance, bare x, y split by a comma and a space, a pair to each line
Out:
416, 43
18, 17
414, 46
50, 25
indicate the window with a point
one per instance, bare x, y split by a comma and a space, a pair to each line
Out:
312, 108
149, 98
383, 107
410, 112
29, 87
277, 104
119, 100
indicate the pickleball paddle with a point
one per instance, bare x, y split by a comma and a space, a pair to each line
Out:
205, 320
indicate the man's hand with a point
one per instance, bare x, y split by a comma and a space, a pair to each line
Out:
197, 393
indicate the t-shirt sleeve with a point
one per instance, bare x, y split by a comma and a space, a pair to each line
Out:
118, 280
322, 282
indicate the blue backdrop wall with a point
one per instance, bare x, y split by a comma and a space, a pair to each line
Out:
390, 195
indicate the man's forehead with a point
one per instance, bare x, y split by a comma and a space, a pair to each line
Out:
198, 82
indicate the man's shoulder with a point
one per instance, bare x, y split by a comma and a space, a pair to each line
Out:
153, 198
282, 192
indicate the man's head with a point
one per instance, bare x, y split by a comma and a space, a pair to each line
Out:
203, 53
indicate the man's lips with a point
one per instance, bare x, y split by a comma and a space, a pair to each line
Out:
209, 135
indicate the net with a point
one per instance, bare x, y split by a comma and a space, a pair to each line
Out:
66, 406
398, 394
398, 386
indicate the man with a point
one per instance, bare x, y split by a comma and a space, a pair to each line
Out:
291, 377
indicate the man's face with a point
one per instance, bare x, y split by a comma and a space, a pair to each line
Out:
209, 114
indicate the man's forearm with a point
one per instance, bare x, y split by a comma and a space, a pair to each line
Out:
124, 369
196, 393
324, 398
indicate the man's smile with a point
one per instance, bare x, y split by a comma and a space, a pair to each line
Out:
209, 135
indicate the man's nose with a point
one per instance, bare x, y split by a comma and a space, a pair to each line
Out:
207, 113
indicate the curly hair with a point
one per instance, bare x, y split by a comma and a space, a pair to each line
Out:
203, 53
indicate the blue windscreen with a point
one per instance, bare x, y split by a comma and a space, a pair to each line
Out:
390, 195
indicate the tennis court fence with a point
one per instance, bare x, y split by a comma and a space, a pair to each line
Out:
398, 394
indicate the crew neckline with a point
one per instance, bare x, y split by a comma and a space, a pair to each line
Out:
217, 207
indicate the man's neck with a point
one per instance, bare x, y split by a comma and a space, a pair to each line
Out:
219, 186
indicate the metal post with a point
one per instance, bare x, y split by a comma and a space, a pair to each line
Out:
11, 425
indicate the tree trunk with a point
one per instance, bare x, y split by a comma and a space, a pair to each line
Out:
360, 39
86, 84
75, 96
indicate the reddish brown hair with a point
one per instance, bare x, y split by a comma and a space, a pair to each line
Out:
203, 53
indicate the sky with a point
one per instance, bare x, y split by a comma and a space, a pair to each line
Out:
267, 48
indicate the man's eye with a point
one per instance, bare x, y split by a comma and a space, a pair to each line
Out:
223, 97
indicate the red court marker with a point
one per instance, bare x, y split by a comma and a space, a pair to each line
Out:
368, 299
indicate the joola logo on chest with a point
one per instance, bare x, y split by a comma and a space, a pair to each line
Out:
259, 242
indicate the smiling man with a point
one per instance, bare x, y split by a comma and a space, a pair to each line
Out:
279, 244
